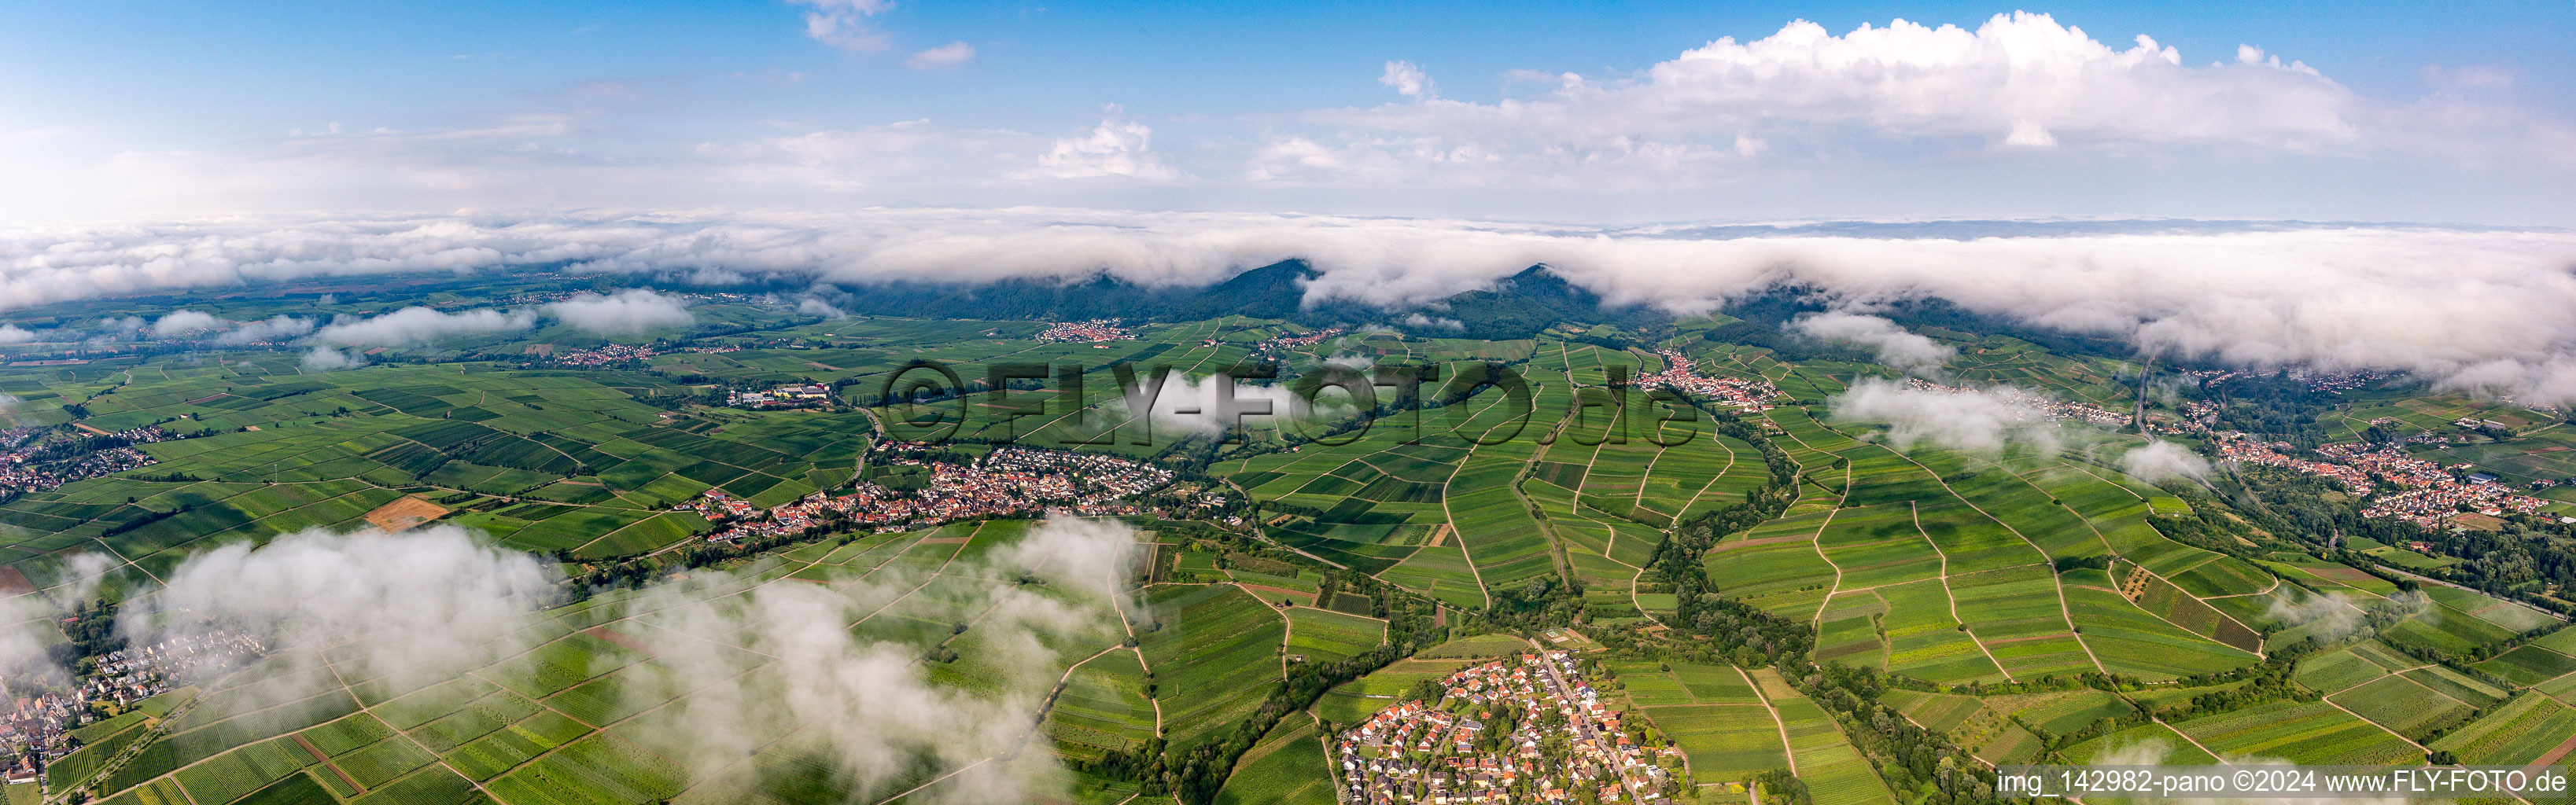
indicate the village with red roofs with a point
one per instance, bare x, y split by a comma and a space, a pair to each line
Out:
1524, 730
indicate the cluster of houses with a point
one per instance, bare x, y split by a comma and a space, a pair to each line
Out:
780, 397
38, 723
1438, 752
34, 728
134, 673
621, 353
1281, 345
2316, 380
31, 464
1093, 331
1750, 395
2236, 446
1010, 480
2433, 494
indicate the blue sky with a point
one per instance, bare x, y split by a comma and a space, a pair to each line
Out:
2389, 112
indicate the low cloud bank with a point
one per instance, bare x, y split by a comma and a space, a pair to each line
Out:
816, 307
326, 359
274, 328
1896, 348
2333, 614
1975, 420
2161, 461
407, 607
183, 323
27, 623
2479, 309
420, 325
626, 312
887, 720
753, 663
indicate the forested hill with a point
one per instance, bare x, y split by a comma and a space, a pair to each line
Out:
1517, 307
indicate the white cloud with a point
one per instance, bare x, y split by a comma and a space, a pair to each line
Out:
1899, 91
888, 719
14, 334
1116, 148
816, 307
184, 323
626, 312
2486, 309
2026, 133
274, 328
1422, 322
2161, 460
410, 607
944, 56
1894, 119
2017, 77
326, 359
1974, 420
2334, 610
431, 602
848, 24
27, 626
420, 325
1898, 349
1408, 80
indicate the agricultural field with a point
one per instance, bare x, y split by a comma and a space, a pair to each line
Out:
1322, 634
2522, 731
2311, 732
1220, 650
1723, 742
1287, 767
1955, 569
567, 716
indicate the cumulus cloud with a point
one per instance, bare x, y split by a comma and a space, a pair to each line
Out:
1116, 148
2160, 461
815, 307
420, 325
1408, 80
2018, 112
949, 55
890, 720
326, 359
1210, 405
626, 312
2490, 310
24, 620
407, 608
273, 328
2018, 79
1898, 349
27, 620
848, 24
14, 334
1974, 420
184, 323
2334, 613
1422, 322
759, 663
